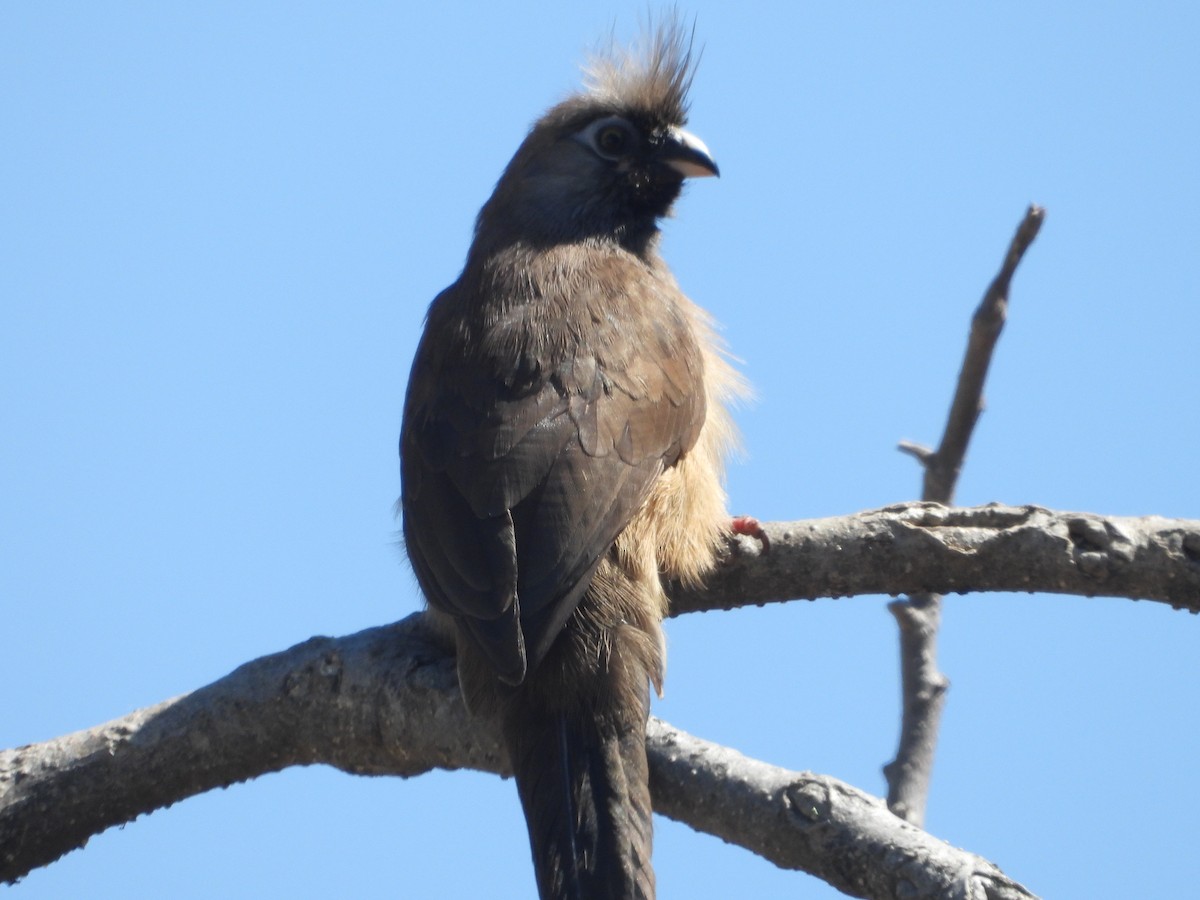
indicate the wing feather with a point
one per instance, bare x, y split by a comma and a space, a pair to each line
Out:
522, 467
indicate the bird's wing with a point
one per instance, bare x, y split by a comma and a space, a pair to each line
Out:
520, 473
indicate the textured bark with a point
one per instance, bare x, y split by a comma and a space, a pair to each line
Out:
386, 701
926, 547
383, 701
813, 823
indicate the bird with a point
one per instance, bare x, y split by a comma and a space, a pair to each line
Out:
565, 431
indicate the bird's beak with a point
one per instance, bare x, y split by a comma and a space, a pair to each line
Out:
687, 155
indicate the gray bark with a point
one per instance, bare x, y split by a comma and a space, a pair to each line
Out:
385, 701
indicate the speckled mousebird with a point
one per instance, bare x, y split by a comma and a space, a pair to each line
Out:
562, 453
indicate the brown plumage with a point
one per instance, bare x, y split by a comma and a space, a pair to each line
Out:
562, 449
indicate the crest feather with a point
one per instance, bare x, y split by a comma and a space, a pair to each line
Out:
652, 75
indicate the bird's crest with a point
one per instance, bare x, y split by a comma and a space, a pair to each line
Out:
652, 75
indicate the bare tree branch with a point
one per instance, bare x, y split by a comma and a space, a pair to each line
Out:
813, 823
386, 701
916, 547
942, 466
923, 686
383, 701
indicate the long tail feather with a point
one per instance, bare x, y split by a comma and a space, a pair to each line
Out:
582, 777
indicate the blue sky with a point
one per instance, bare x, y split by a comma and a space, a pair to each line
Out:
223, 223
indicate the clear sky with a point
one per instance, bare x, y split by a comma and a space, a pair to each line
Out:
222, 224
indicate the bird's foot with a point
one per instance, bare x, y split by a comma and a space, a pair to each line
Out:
750, 526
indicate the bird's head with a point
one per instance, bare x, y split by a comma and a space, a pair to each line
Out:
609, 161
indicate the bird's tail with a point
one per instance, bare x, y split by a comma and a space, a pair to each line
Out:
581, 771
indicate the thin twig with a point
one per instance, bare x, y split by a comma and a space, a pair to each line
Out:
923, 686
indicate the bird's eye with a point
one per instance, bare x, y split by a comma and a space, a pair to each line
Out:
611, 138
